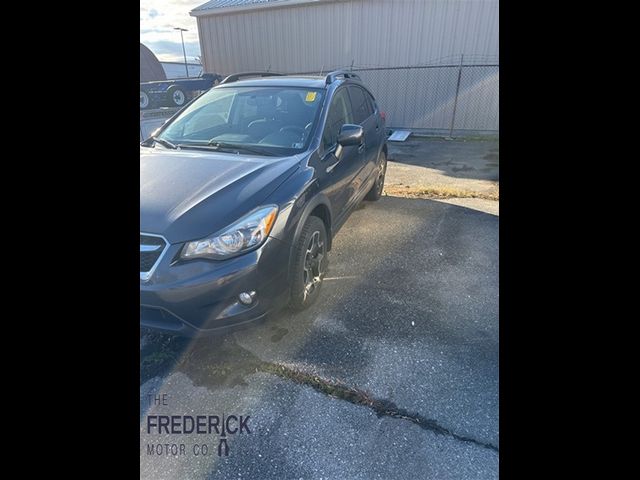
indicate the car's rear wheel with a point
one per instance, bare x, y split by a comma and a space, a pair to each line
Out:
144, 100
309, 265
381, 170
177, 96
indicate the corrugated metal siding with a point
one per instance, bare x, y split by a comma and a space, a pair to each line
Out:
375, 33
368, 32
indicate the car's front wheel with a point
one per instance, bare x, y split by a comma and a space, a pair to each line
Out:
309, 265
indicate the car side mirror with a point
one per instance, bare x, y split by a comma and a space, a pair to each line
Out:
350, 135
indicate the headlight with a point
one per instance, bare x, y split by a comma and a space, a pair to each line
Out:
246, 234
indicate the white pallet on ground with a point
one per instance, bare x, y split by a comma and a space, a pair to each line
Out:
399, 135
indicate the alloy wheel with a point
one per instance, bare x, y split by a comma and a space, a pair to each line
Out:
382, 169
313, 264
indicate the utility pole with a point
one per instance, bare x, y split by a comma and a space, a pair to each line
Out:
186, 67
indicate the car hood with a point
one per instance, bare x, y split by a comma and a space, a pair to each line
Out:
189, 194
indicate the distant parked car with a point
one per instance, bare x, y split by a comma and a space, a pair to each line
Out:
176, 92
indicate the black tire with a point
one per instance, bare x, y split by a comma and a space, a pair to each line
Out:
376, 190
177, 96
145, 101
304, 289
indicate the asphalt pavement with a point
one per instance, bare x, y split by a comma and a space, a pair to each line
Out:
393, 373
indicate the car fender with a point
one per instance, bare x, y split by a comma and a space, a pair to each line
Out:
317, 199
298, 197
311, 199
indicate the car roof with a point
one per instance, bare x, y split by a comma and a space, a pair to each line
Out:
311, 81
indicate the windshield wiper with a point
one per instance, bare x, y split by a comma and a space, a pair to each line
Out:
235, 146
164, 143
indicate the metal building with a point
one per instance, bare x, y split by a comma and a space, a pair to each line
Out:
384, 40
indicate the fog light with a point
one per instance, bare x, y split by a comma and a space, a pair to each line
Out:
246, 298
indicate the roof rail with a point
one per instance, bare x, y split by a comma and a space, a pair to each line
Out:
333, 76
237, 76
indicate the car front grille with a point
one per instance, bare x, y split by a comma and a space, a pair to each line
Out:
151, 249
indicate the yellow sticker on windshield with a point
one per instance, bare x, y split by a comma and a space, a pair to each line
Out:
311, 96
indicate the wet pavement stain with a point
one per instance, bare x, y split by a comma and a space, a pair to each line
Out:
279, 334
159, 355
215, 362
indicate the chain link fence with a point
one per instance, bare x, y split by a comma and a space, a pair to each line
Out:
453, 99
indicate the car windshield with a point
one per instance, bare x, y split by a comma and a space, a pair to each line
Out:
272, 120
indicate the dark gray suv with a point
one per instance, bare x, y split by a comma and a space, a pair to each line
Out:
243, 191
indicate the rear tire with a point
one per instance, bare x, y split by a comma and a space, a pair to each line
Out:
177, 96
144, 100
376, 190
309, 265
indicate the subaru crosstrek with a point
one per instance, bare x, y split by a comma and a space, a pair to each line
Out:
243, 191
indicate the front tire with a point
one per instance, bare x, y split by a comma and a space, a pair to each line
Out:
309, 265
376, 191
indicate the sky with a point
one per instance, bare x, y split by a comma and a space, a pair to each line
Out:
157, 19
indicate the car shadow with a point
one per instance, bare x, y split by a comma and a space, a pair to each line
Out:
459, 158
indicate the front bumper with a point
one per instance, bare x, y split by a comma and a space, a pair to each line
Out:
201, 296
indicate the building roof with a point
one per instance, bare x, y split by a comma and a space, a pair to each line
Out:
228, 3
214, 7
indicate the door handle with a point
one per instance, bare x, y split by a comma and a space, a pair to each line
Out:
361, 148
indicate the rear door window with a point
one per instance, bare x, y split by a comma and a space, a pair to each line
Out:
362, 108
372, 101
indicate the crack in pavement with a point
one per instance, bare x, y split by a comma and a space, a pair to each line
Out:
357, 396
230, 364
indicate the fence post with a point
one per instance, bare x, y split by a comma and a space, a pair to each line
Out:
455, 101
352, 64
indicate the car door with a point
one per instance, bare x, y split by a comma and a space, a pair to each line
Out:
364, 115
338, 178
